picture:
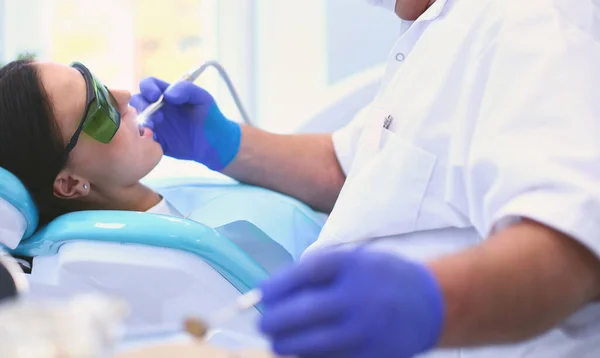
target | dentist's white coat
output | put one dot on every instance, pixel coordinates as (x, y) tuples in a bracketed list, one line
[(495, 115)]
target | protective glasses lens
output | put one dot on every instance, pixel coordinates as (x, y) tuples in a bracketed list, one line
[(101, 119)]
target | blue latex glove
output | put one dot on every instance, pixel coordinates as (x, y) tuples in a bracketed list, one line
[(353, 304), (190, 125)]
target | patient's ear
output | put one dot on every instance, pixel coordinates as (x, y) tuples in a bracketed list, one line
[(69, 186)]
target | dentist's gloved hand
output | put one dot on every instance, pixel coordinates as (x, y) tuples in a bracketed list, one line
[(353, 304), (190, 125)]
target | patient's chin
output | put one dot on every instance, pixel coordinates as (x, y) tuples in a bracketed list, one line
[(152, 155)]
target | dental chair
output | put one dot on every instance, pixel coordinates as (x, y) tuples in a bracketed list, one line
[(166, 268)]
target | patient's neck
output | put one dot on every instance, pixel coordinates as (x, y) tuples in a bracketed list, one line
[(133, 198)]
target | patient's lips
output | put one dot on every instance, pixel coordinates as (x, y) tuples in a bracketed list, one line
[(146, 132)]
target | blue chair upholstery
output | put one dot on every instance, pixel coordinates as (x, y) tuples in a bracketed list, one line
[(127, 227), (231, 261), (263, 230), (287, 221), (268, 253), (14, 192), (165, 266)]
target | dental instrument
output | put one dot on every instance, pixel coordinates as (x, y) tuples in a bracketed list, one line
[(192, 76), (199, 328)]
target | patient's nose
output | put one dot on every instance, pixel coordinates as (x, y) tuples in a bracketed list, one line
[(122, 97)]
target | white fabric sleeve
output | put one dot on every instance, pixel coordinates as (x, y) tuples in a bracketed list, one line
[(345, 140), (535, 147)]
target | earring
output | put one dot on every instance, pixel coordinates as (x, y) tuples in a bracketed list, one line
[(86, 186)]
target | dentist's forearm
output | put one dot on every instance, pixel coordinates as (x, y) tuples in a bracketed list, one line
[(302, 166), (515, 285)]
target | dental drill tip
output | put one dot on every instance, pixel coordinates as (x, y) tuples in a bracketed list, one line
[(196, 328), (141, 119), (199, 328)]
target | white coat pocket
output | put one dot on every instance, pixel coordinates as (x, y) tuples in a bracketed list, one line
[(383, 195)]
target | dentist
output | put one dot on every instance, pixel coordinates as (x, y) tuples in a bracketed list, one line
[(464, 200)]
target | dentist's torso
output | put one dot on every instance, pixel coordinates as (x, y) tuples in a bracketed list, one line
[(409, 158)]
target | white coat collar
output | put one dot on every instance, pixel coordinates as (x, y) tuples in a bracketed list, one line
[(434, 11)]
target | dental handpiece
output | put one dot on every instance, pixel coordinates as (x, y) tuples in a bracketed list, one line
[(191, 76), (199, 328)]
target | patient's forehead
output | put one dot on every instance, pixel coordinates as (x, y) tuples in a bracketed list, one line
[(66, 90)]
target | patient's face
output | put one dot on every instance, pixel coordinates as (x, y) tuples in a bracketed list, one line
[(120, 163)]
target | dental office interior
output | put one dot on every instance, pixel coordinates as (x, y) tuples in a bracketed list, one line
[(119, 284)]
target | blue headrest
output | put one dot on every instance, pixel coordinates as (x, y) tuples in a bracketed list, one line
[(15, 193)]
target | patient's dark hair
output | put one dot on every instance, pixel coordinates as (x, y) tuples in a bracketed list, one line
[(31, 145)]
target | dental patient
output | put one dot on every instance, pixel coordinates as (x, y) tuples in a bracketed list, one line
[(74, 143)]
